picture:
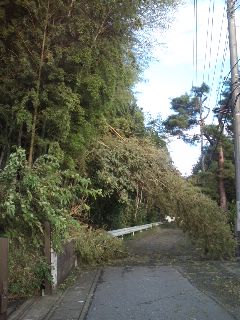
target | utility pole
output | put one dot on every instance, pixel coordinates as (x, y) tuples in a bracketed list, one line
[(236, 106)]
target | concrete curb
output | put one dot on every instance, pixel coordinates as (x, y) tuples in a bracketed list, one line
[(90, 296), (44, 308), (34, 303), (19, 312), (55, 305)]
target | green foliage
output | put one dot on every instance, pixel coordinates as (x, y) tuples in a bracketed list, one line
[(156, 130), (66, 66), (203, 220), (97, 246), (186, 115), (214, 172), (32, 195), (67, 75), (132, 171), (116, 167), (27, 269), (208, 181)]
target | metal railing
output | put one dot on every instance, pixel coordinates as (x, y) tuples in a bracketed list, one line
[(132, 230)]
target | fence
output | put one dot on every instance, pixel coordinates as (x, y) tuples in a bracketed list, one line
[(62, 263), (132, 230)]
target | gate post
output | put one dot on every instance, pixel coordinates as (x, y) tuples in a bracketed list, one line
[(3, 277)]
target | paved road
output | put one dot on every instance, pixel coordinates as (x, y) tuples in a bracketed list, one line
[(150, 293), (164, 278)]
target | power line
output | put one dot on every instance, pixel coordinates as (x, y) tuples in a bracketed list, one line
[(211, 38), (232, 68), (195, 41), (217, 61), (205, 55), (222, 79), (233, 4), (218, 48), (236, 8)]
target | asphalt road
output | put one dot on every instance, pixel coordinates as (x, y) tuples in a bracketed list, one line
[(164, 277), (150, 293)]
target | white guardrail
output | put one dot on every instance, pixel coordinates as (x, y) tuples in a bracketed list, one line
[(132, 230)]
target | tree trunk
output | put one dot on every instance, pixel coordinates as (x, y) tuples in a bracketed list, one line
[(36, 104), (221, 186), (2, 155), (44, 148), (201, 134), (20, 135)]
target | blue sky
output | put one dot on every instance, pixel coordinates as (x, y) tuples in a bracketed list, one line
[(172, 73)]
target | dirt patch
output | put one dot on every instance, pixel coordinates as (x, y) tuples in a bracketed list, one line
[(167, 245)]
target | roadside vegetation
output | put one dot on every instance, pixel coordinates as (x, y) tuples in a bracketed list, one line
[(75, 149)]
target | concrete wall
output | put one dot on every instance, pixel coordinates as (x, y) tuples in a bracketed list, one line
[(63, 263)]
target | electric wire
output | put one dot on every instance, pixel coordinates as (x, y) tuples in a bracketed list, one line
[(193, 46), (196, 31), (232, 68), (217, 55), (230, 105), (211, 38), (208, 62), (206, 45), (221, 78), (236, 8), (233, 4), (195, 42)]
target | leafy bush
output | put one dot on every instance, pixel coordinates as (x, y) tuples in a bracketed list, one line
[(32, 195), (97, 246), (27, 270)]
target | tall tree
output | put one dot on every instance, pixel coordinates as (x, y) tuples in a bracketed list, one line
[(66, 68), (188, 113), (219, 154)]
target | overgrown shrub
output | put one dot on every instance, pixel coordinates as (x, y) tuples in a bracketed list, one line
[(27, 269), (97, 246)]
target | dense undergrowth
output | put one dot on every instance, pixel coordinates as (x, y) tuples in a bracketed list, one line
[(27, 269), (97, 246)]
